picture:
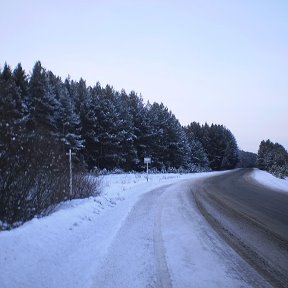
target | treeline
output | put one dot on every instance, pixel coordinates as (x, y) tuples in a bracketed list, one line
[(106, 128), (247, 159), (273, 157), (42, 117)]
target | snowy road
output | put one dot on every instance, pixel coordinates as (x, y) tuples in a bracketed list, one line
[(165, 242), (136, 234)]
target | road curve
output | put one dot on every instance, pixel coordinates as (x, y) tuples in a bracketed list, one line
[(165, 242), (252, 218)]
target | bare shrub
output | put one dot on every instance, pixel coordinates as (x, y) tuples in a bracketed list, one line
[(40, 181), (86, 185)]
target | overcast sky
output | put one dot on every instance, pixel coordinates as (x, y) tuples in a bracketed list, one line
[(214, 61)]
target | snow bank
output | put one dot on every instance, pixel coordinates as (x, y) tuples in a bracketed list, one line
[(267, 179)]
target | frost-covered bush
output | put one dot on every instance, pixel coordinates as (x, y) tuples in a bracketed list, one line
[(117, 171), (279, 171), (85, 186)]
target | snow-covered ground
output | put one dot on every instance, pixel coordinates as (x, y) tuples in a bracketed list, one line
[(62, 250), (74, 246), (267, 179)]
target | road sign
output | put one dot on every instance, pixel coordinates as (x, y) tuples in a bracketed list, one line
[(147, 160)]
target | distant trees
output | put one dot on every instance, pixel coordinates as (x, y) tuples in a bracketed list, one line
[(217, 146), (273, 158), (247, 159)]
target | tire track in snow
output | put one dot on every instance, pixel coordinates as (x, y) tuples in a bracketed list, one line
[(136, 257), (162, 271)]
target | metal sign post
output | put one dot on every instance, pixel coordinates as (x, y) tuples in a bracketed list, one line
[(147, 160), (70, 171)]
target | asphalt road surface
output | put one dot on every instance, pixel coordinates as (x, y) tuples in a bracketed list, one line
[(252, 218)]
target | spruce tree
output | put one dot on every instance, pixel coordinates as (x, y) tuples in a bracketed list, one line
[(43, 105)]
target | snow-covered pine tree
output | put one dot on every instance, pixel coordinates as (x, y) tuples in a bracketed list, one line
[(88, 124), (168, 143), (218, 142), (231, 154), (126, 131), (21, 81), (43, 104), (108, 137), (273, 158), (142, 129), (68, 121), (11, 144), (199, 159)]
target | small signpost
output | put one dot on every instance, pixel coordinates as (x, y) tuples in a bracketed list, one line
[(147, 161), (70, 170)]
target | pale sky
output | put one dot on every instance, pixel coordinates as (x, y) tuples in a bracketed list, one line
[(214, 61)]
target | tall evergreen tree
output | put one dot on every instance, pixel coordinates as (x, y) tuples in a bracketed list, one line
[(21, 81), (199, 158), (231, 154), (108, 129), (87, 123), (169, 146), (127, 148), (43, 105), (142, 128), (68, 121), (12, 142)]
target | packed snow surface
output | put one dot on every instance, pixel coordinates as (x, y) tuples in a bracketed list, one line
[(267, 179), (136, 234)]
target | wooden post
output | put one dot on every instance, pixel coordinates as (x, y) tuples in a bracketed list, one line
[(70, 172)]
